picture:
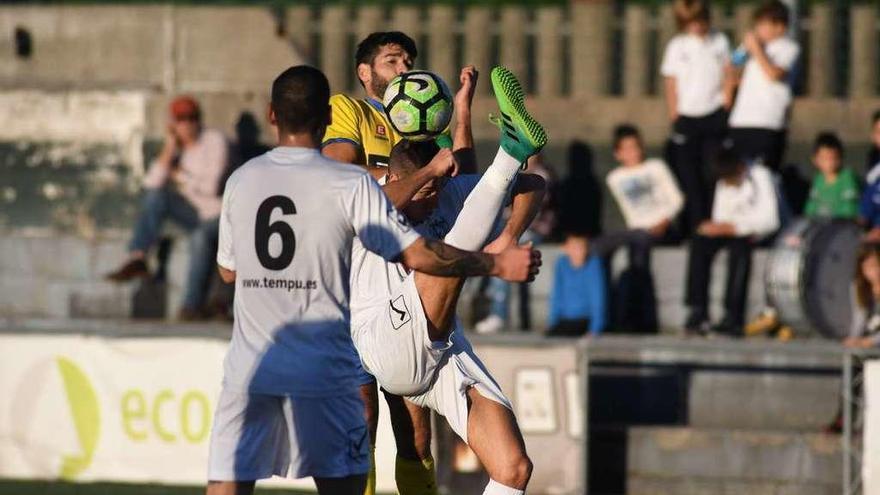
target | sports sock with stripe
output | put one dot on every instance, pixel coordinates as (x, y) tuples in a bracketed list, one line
[(415, 477), (477, 217)]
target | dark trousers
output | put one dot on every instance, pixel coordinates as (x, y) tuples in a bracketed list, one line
[(739, 265), (759, 144), (633, 302), (569, 328), (696, 142)]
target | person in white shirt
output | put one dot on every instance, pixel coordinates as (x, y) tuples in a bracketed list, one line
[(649, 199), (745, 210), (760, 114), (182, 185), (698, 82), (290, 402)]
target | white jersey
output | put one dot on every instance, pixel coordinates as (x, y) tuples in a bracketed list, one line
[(647, 194), (287, 226), (373, 279)]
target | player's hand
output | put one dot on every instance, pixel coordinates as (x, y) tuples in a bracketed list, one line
[(873, 235), (444, 164), (518, 263), (751, 43), (659, 229), (465, 95), (502, 242)]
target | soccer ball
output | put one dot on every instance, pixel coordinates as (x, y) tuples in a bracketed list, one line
[(418, 104)]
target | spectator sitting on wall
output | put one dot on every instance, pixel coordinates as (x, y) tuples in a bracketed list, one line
[(872, 161), (745, 210), (759, 117), (649, 199), (578, 299), (182, 185), (498, 290), (698, 81), (833, 195)]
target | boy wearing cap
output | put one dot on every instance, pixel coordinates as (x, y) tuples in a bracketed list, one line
[(182, 185)]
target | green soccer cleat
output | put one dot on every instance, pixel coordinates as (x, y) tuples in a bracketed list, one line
[(521, 135)]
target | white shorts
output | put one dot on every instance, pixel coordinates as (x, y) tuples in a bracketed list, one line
[(394, 345), (257, 436), (459, 370)]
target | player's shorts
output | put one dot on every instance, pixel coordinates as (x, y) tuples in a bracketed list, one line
[(257, 436), (459, 370), (394, 345)]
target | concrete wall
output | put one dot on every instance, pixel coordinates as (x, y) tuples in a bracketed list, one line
[(228, 56), (45, 275)]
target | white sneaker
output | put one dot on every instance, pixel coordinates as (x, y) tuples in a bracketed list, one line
[(491, 324)]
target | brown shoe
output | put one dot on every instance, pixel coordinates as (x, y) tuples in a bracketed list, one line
[(132, 269)]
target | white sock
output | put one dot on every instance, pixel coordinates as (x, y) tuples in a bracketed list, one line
[(496, 488), (477, 217)]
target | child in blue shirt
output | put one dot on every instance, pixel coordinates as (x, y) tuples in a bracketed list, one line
[(578, 298)]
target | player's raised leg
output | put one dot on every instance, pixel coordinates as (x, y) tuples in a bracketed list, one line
[(521, 137)]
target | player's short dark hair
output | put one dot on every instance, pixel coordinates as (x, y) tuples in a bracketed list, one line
[(876, 117), (773, 11), (624, 131), (828, 140), (688, 11), (369, 47), (728, 163), (408, 155), (301, 99)]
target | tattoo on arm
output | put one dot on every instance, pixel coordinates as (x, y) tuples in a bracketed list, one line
[(452, 262)]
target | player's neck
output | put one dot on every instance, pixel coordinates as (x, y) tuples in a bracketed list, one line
[(299, 140)]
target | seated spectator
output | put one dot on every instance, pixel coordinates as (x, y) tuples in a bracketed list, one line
[(183, 186), (578, 298), (864, 330), (833, 195), (872, 161), (869, 211), (744, 211), (649, 199), (835, 190)]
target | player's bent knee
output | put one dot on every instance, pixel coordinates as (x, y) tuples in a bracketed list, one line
[(515, 472)]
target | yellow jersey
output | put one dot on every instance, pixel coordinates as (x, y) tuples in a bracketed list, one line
[(362, 123)]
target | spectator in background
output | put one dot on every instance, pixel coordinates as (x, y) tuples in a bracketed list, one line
[(834, 195), (760, 114), (578, 301), (498, 290), (696, 69), (182, 185), (872, 161), (835, 190), (745, 210), (649, 199), (580, 194)]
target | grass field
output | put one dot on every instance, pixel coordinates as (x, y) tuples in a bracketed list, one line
[(58, 488)]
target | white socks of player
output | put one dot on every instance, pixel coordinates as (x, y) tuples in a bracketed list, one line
[(474, 224), (496, 488)]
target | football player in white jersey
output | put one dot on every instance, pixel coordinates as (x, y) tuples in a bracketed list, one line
[(290, 403), (403, 323)]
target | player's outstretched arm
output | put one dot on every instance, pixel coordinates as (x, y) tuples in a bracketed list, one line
[(463, 139), (514, 264)]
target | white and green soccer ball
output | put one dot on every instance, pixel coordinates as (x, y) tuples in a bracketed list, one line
[(418, 104)]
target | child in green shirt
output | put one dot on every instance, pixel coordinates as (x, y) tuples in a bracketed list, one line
[(835, 191)]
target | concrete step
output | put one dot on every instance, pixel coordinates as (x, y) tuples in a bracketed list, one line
[(683, 460)]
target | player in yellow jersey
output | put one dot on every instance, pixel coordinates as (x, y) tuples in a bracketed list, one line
[(361, 134)]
